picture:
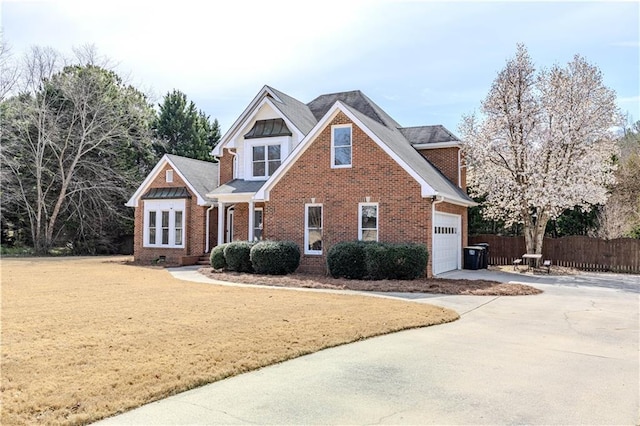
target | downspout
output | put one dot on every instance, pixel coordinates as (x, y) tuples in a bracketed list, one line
[(206, 245), (435, 200), (459, 167)]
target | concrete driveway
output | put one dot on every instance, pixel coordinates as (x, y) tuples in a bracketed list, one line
[(567, 356)]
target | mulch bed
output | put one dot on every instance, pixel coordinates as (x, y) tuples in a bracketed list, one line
[(433, 285)]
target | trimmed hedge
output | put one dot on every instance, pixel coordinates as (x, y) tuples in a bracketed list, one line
[(346, 260), (237, 255), (217, 257), (275, 257), (376, 261)]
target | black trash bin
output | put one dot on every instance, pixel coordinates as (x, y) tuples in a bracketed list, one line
[(485, 254), (473, 257)]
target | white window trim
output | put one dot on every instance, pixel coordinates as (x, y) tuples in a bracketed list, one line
[(159, 206), (266, 142), (360, 229), (260, 209), (168, 176), (306, 228), (333, 147)]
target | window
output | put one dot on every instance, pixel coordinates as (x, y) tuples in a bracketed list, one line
[(178, 228), (313, 229), (168, 176), (266, 159), (368, 221), (257, 224), (341, 146), (152, 228), (164, 223)]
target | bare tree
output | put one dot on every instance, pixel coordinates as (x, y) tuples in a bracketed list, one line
[(71, 145), (8, 70), (543, 143)]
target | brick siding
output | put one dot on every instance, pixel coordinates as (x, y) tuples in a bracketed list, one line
[(195, 226), (404, 216), (446, 160)]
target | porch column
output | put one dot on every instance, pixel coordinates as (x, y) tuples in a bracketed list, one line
[(251, 219), (220, 222)]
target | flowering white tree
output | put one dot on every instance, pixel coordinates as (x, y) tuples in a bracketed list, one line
[(542, 143)]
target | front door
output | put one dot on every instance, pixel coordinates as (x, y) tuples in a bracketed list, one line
[(229, 230)]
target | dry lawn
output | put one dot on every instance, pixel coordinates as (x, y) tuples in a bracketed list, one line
[(86, 338), (433, 285)]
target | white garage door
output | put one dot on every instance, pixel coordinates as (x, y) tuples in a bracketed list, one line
[(446, 242)]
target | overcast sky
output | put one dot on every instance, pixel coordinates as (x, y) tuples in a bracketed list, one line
[(423, 62)]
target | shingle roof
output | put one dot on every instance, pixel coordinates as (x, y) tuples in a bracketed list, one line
[(238, 186), (396, 141), (201, 175), (428, 134), (356, 100), (297, 112)]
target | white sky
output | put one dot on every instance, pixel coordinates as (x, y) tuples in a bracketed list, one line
[(423, 62)]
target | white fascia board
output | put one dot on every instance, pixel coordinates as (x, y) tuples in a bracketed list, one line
[(263, 193), (458, 202), (451, 144), (133, 201), (217, 150), (425, 189), (243, 197)]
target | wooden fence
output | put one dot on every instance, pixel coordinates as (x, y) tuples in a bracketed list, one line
[(584, 253)]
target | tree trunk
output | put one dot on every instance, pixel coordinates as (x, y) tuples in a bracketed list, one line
[(534, 233)]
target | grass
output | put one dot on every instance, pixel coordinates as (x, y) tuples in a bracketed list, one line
[(86, 338)]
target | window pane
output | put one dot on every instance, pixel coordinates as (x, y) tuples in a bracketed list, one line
[(273, 166), (369, 235), (369, 217), (152, 219), (315, 239), (165, 235), (342, 156), (257, 225), (178, 219), (274, 152), (258, 168), (315, 217), (152, 235), (178, 236), (165, 219), (178, 230), (258, 153), (342, 136)]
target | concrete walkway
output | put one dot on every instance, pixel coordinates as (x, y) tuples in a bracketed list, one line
[(567, 356)]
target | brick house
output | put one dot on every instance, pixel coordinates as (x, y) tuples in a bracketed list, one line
[(338, 168), (174, 220)]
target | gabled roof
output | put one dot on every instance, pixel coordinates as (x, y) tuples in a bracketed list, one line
[(199, 176), (356, 100), (428, 134), (296, 112), (396, 141), (391, 140)]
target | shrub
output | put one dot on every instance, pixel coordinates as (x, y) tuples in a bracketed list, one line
[(377, 261), (347, 260), (217, 257), (237, 256), (407, 261), (275, 257)]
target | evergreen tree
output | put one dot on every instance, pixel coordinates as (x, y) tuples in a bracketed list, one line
[(182, 129)]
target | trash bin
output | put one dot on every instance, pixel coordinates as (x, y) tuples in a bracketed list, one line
[(485, 254), (473, 257)]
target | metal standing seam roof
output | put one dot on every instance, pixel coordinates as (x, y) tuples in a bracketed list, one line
[(166, 193), (268, 128)]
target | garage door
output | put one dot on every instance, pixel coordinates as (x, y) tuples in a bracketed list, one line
[(446, 243)]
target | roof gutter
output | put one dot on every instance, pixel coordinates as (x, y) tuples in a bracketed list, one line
[(434, 145)]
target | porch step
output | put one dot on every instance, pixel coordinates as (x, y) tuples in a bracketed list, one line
[(204, 260)]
